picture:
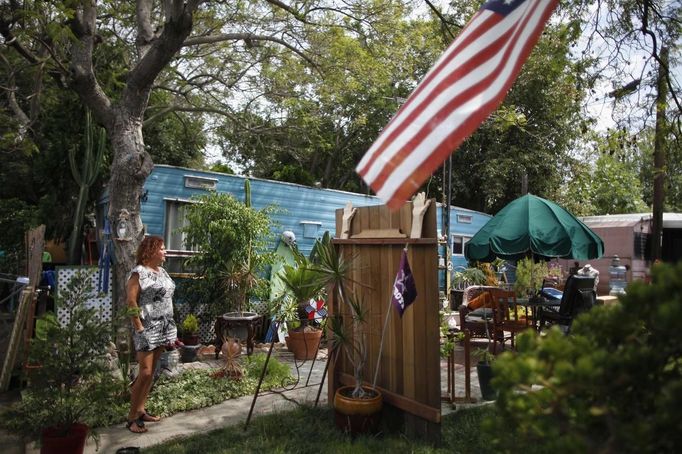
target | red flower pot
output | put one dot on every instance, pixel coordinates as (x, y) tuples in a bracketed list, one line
[(55, 441)]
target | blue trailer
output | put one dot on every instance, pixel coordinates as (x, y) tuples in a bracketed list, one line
[(304, 210)]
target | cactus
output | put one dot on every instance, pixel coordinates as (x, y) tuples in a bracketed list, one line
[(85, 177), (247, 193)]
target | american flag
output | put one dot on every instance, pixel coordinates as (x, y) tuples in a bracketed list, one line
[(466, 84)]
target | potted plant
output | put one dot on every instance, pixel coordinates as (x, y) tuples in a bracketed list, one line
[(231, 239), (302, 283), (72, 381), (190, 339), (190, 330), (529, 277), (357, 407), (461, 279), (484, 368)]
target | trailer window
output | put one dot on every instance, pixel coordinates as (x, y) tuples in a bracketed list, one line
[(458, 242)]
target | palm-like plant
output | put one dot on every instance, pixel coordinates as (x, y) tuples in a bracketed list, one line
[(303, 283), (333, 270)]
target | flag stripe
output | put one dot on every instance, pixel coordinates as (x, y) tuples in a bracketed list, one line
[(417, 167), (481, 60), (464, 92), (469, 80), (432, 82)]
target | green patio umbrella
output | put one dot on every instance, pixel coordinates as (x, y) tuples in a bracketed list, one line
[(532, 224)]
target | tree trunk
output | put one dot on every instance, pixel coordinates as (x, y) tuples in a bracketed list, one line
[(130, 168)]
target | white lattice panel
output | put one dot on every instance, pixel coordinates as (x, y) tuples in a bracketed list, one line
[(100, 301)]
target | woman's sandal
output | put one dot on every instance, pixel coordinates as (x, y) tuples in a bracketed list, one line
[(140, 425), (146, 417)]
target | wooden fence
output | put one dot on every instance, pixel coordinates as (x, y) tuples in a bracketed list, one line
[(409, 367)]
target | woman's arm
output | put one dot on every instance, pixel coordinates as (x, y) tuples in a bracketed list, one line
[(133, 292)]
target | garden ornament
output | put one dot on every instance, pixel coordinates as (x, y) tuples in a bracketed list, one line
[(419, 206), (289, 238), (347, 220), (231, 350)]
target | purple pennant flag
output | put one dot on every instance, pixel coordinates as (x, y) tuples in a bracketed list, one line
[(404, 289)]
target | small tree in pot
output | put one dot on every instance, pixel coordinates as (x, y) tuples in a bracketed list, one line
[(356, 406), (73, 379)]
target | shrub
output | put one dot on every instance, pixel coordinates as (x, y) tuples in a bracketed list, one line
[(71, 382), (614, 385), (190, 325)]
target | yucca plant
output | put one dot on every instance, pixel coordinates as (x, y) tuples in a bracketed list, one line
[(333, 271)]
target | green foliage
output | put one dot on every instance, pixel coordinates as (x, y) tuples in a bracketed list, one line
[(71, 381), (613, 385), (16, 218), (468, 276), (231, 239), (529, 276), (293, 174), (317, 128), (190, 325), (196, 388), (191, 390), (222, 168)]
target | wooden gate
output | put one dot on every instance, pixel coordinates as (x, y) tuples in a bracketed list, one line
[(409, 367)]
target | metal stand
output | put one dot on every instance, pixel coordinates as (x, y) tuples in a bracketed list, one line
[(298, 378)]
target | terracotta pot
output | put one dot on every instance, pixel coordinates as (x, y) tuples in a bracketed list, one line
[(355, 415), (54, 441), (304, 345)]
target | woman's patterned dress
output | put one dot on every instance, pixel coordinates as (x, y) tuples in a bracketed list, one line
[(156, 309)]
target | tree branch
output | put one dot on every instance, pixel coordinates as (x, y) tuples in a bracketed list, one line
[(168, 109), (247, 37), (84, 82), (177, 27)]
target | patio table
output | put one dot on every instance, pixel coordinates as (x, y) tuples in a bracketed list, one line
[(536, 306)]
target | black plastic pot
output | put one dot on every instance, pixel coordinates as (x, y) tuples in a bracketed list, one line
[(188, 353), (485, 376)]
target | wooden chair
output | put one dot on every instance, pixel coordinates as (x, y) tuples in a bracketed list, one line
[(474, 320), (506, 318)]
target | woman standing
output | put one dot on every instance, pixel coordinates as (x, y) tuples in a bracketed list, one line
[(150, 296)]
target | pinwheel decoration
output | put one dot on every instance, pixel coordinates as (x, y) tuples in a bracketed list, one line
[(316, 310)]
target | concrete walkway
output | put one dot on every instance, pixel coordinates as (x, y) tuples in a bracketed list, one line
[(231, 412)]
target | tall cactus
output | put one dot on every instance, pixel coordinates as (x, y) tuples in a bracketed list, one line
[(90, 166), (247, 193)]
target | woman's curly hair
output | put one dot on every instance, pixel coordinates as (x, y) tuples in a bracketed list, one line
[(149, 246)]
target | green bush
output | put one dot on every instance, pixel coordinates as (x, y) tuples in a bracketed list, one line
[(231, 239), (529, 276), (614, 385)]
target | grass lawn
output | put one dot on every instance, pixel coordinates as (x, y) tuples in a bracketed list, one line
[(312, 430)]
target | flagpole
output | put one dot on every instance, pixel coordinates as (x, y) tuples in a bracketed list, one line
[(383, 332)]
